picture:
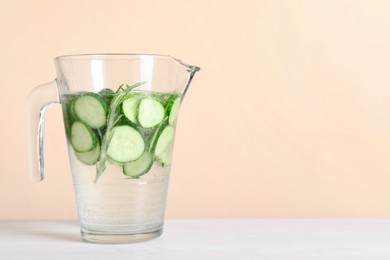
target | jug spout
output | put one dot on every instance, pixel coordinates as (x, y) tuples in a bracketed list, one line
[(191, 70)]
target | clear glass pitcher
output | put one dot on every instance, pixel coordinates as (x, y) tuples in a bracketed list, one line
[(120, 113)]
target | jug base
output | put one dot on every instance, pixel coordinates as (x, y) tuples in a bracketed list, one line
[(109, 238)]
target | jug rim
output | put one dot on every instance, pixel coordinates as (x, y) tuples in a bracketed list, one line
[(119, 56)]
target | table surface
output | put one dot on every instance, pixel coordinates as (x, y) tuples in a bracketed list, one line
[(207, 239)]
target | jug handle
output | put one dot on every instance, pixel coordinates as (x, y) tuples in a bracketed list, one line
[(37, 102)]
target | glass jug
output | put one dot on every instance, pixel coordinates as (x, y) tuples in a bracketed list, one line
[(120, 113)]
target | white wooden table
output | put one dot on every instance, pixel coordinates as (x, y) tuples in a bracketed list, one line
[(207, 239)]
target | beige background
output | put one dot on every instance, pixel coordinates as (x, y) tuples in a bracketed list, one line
[(289, 116)]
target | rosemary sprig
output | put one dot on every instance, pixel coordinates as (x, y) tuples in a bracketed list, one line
[(114, 116)]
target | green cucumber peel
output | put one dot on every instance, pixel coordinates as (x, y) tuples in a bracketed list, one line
[(156, 134), (172, 106)]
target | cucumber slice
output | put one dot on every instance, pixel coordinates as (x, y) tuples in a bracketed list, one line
[(173, 108), (150, 112), (130, 108), (70, 111), (164, 140), (126, 144), (91, 157), (139, 167), (165, 159), (82, 137), (91, 109)]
